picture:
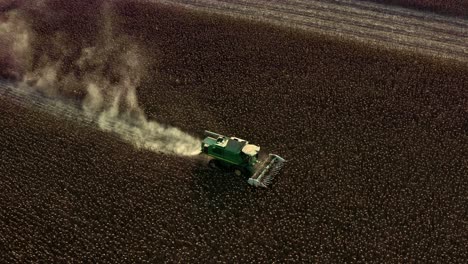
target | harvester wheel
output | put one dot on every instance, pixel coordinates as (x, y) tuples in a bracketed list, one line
[(239, 171), (213, 164)]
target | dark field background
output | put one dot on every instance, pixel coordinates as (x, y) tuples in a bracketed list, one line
[(376, 143)]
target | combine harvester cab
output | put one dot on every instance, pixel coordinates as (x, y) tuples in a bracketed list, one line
[(241, 157)]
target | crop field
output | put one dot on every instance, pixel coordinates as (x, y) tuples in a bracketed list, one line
[(370, 23), (376, 142), (448, 7)]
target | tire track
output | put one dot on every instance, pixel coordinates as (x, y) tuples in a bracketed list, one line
[(398, 11), (388, 26), (372, 28), (142, 135), (57, 107), (428, 28), (62, 109)]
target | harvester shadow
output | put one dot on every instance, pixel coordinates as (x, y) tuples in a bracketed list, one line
[(220, 189)]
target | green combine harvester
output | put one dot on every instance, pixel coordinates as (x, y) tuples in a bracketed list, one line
[(237, 155)]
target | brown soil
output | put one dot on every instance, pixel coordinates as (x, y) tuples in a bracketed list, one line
[(375, 142)]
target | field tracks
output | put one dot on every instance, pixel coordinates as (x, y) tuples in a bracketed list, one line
[(390, 26), (32, 98)]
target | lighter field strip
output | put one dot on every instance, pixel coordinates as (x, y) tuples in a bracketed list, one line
[(141, 132), (62, 109), (30, 98), (390, 26)]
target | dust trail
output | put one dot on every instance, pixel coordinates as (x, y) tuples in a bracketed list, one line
[(102, 73), (142, 133)]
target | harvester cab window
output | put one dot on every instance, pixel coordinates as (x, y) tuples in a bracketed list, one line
[(221, 141)]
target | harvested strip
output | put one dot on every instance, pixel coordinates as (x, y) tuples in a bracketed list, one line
[(378, 24)]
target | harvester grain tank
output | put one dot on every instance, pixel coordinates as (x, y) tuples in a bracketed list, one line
[(238, 155)]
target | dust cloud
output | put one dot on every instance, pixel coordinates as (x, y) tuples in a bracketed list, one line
[(102, 70)]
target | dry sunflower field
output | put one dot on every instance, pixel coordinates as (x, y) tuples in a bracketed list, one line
[(376, 142)]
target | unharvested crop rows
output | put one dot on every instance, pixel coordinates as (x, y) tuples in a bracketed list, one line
[(67, 194), (375, 142), (389, 26)]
